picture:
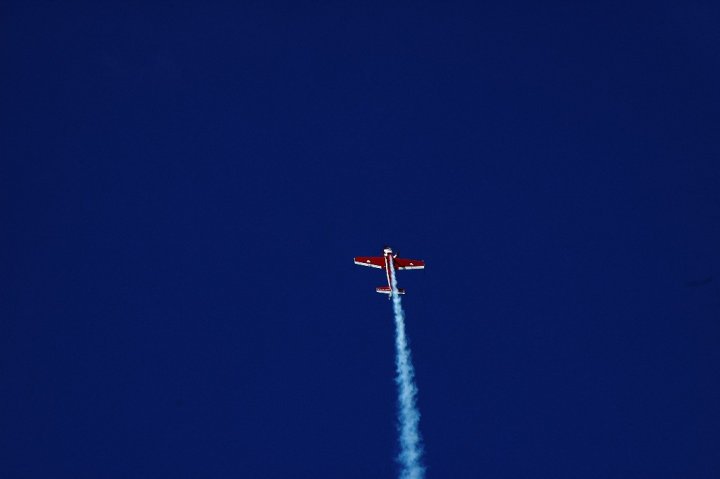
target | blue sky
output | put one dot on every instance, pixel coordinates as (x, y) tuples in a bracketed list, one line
[(184, 187)]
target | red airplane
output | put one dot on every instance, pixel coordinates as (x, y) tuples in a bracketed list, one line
[(383, 262)]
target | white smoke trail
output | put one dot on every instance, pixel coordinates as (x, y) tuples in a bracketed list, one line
[(410, 456)]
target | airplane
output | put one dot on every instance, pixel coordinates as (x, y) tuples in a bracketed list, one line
[(383, 262)]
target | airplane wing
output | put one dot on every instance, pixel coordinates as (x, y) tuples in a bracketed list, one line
[(401, 263), (372, 261)]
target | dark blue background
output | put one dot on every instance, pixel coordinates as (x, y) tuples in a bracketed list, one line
[(184, 187)]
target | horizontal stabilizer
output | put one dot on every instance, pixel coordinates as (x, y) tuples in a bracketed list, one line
[(386, 290)]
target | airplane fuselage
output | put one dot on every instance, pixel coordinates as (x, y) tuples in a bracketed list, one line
[(389, 267)]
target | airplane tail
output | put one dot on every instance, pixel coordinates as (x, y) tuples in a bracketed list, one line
[(387, 290)]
